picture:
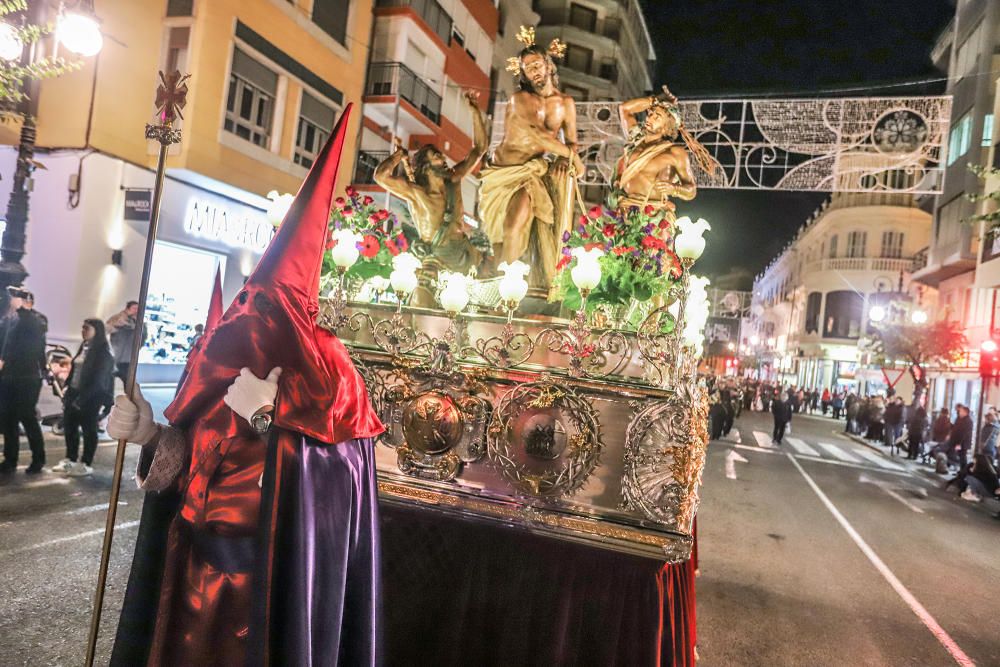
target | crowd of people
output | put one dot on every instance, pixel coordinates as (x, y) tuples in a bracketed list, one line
[(104, 353), (936, 440)]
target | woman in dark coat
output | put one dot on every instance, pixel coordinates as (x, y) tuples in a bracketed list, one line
[(90, 387), (915, 429)]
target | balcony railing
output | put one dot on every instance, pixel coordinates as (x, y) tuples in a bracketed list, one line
[(398, 79), (919, 260), (606, 27), (364, 172), (602, 69), (430, 11), (888, 264)]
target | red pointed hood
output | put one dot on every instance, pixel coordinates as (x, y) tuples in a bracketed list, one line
[(215, 303), (272, 323)]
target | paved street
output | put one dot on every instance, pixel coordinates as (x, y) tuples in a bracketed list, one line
[(817, 553), (782, 580)]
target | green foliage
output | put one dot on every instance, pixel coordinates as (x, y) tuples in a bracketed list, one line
[(919, 345), (638, 263), (384, 236), (13, 74)]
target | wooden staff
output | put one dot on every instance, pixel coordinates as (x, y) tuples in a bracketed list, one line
[(171, 96)]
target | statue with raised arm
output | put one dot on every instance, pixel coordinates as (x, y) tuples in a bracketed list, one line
[(433, 192), (526, 193), (656, 167)]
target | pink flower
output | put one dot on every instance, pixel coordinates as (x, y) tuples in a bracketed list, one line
[(595, 212)]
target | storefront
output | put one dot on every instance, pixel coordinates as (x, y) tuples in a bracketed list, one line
[(86, 245)]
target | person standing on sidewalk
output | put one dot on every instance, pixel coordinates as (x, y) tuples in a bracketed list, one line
[(90, 387), (22, 363), (121, 329), (782, 411)]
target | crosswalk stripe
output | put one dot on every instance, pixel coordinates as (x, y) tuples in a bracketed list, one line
[(838, 453), (801, 447), (879, 461), (763, 439)]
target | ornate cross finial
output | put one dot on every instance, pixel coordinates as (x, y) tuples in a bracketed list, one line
[(171, 97)]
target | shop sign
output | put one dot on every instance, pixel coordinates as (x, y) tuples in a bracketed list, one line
[(138, 204), (236, 228)]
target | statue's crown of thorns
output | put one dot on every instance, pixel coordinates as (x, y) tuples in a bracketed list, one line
[(526, 35)]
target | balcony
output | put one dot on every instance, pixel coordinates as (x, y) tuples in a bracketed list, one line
[(364, 171), (884, 264), (389, 80), (606, 27), (430, 11), (952, 253), (606, 69)]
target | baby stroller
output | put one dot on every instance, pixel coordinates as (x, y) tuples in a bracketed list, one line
[(59, 361)]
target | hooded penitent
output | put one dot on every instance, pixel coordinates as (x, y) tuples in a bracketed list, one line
[(265, 552)]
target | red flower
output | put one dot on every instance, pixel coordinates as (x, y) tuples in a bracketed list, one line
[(367, 201), (653, 243), (383, 214), (369, 246), (351, 192), (663, 224), (331, 243), (595, 212), (622, 250), (563, 262), (649, 210), (339, 201), (348, 212), (609, 230), (582, 220), (591, 246), (403, 244), (373, 219), (391, 246), (584, 235)]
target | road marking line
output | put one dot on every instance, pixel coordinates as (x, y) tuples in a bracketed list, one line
[(754, 449), (801, 447), (884, 485), (731, 460), (878, 460), (925, 617), (68, 538), (763, 439), (837, 452), (859, 465), (48, 481), (93, 508)]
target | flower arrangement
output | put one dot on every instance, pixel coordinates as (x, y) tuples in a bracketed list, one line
[(377, 233), (638, 263)]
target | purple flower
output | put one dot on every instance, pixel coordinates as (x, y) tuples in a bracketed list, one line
[(337, 224), (566, 251), (607, 247), (565, 237), (648, 266), (582, 229), (636, 252), (648, 229)]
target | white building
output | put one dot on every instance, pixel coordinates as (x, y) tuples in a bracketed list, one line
[(811, 304)]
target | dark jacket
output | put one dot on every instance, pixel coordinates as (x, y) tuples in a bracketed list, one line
[(96, 378), (917, 425), (894, 414), (23, 348), (941, 429), (961, 433), (782, 411)]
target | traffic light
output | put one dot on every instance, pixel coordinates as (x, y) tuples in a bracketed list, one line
[(989, 359)]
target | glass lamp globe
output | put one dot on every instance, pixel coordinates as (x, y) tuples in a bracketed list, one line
[(11, 46), (79, 33), (513, 287), (278, 206), (346, 252), (455, 295), (586, 274), (690, 244)]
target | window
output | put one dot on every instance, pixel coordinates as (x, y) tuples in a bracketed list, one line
[(814, 304), (968, 52), (892, 244), (833, 247), (250, 105), (843, 314), (315, 122), (331, 17), (583, 17), (987, 131), (579, 58), (960, 138), (457, 36), (180, 7), (177, 49), (856, 244)]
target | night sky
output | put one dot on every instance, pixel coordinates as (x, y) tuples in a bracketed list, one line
[(787, 48)]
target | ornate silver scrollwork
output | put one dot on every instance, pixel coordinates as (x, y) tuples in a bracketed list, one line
[(665, 447), (545, 439)]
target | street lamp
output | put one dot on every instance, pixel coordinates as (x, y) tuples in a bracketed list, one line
[(876, 313), (77, 29), (918, 317)]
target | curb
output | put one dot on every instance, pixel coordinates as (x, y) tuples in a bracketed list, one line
[(867, 443)]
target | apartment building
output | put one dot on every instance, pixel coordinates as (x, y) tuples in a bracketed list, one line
[(958, 263), (271, 78), (424, 55), (810, 306), (609, 51)]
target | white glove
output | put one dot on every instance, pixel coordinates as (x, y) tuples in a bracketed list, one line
[(248, 393), (132, 421)]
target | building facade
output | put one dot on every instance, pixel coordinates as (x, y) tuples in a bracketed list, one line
[(609, 51), (811, 305), (272, 79), (957, 262), (424, 55)]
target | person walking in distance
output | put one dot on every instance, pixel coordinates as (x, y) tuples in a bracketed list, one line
[(121, 329), (782, 412), (22, 362), (90, 387)]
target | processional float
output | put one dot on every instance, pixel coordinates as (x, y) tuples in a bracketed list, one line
[(557, 391)]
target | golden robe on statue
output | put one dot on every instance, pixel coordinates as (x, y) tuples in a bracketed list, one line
[(551, 214)]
